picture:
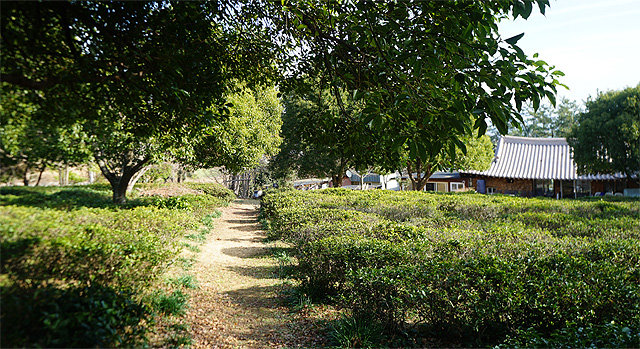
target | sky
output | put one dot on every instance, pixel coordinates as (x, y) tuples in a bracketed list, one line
[(595, 43)]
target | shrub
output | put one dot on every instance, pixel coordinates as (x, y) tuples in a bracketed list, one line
[(73, 263), (609, 335), (77, 247), (84, 317), (215, 190), (471, 267)]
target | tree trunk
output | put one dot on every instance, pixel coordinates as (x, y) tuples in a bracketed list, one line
[(66, 174), (63, 174), (136, 177), (40, 174), (25, 178), (234, 184), (92, 176), (120, 178), (182, 174), (419, 181), (119, 192), (336, 181)]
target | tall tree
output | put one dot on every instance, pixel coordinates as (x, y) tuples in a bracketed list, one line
[(320, 139), (547, 121), (241, 141), (607, 136), (420, 68), (477, 154), (28, 143), (537, 122), (142, 74), (566, 115)]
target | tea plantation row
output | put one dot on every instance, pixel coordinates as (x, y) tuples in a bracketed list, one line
[(468, 269), (77, 270)]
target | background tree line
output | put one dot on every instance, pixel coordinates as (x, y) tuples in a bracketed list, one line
[(364, 84)]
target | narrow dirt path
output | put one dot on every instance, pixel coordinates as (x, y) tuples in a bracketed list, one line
[(237, 304)]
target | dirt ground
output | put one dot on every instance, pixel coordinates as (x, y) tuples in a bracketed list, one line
[(237, 304)]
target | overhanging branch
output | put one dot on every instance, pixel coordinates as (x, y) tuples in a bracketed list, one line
[(23, 81)]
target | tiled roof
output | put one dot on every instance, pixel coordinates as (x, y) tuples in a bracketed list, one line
[(536, 158)]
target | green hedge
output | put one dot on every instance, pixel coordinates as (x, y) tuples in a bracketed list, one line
[(75, 268), (215, 190), (467, 268)]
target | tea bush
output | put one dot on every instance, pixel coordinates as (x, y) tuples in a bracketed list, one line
[(76, 269), (213, 190), (467, 268), (78, 317)]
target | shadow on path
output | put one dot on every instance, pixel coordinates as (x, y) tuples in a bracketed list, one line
[(239, 307), (246, 252)]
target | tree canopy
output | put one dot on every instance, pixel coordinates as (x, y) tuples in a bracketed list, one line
[(548, 121), (414, 77), (606, 138), (426, 73), (28, 142), (319, 138), (478, 156), (251, 132), (141, 77)]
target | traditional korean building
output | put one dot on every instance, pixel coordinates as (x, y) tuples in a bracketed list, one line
[(540, 167)]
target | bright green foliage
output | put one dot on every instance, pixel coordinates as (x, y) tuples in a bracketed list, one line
[(34, 143), (214, 190), (320, 139), (547, 121), (186, 281), (161, 171), (467, 268), (478, 156), (144, 79), (420, 68), (250, 132), (72, 261), (607, 136), (174, 303)]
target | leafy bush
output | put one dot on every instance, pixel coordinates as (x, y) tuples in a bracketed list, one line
[(609, 335), (71, 317), (72, 262), (215, 190), (468, 267), (122, 249)]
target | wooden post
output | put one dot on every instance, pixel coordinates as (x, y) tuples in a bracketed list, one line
[(561, 194)]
